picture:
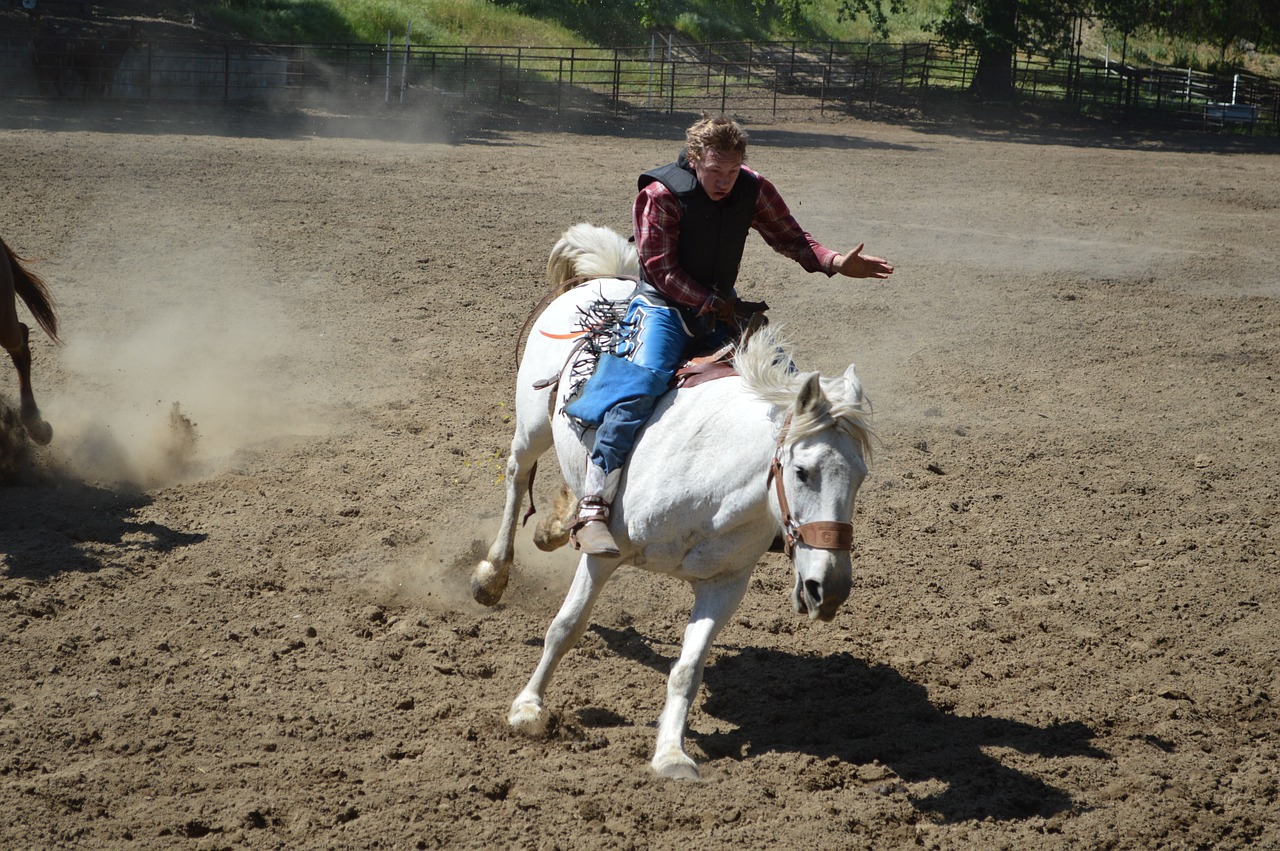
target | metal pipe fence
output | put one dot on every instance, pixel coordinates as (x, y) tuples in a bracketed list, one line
[(784, 79)]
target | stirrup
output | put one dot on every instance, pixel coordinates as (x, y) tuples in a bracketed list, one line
[(592, 507)]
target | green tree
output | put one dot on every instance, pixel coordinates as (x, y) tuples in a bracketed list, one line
[(874, 10), (998, 29), (1222, 23), (1126, 17)]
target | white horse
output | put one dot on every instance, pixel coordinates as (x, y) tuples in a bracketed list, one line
[(719, 472)]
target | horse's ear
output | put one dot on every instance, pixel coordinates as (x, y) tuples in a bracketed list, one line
[(855, 383), (810, 395)]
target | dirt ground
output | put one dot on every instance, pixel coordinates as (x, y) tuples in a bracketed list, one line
[(233, 602)]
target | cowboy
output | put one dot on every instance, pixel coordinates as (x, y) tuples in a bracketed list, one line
[(691, 221)]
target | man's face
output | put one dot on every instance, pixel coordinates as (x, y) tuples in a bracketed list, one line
[(717, 172)]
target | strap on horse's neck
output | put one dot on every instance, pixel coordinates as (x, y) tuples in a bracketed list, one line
[(819, 534)]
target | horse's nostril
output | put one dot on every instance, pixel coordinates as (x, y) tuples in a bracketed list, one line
[(813, 589)]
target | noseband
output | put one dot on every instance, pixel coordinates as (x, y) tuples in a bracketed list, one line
[(819, 534)]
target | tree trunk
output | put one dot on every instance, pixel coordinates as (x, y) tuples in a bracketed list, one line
[(993, 79)]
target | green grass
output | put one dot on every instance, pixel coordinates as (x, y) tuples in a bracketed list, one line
[(471, 22), (543, 23), (908, 27), (285, 20)]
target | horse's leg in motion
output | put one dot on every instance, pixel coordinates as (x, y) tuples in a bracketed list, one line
[(15, 337), (552, 531), (714, 601), (566, 629), (531, 440)]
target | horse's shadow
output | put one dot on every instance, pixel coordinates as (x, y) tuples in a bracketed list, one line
[(840, 708), (59, 525)]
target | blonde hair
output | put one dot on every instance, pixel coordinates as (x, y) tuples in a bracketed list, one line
[(720, 134)]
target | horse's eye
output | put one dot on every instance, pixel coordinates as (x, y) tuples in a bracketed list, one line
[(802, 475)]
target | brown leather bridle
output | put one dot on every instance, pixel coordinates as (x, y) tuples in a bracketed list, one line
[(819, 534)]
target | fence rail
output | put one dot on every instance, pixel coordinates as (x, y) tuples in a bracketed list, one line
[(779, 79)]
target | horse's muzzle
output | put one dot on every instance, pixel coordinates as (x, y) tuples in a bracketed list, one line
[(820, 600)]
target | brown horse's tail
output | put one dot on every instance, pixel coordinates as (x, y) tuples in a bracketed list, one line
[(35, 292)]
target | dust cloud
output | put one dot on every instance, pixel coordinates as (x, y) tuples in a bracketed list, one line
[(196, 360), (436, 573)]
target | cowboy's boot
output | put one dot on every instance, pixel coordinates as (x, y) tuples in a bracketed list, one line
[(591, 532)]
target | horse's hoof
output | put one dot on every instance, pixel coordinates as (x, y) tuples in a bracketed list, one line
[(528, 718), (677, 767), (550, 536), (39, 431), (488, 582)]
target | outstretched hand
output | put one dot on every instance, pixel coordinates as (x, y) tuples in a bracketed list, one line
[(855, 264)]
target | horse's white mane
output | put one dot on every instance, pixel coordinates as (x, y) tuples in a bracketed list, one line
[(587, 249), (765, 367)]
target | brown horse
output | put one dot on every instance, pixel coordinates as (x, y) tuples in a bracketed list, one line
[(17, 280)]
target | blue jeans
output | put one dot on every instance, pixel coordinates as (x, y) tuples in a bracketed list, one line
[(654, 336)]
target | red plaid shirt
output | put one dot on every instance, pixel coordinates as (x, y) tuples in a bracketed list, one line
[(656, 218)]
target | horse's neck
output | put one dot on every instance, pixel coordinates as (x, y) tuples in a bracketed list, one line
[(699, 472), (716, 431)]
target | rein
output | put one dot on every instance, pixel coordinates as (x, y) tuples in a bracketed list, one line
[(819, 534)]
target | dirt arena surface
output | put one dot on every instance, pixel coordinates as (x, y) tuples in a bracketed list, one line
[(233, 602)]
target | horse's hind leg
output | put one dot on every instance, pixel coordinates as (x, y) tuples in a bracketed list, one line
[(37, 429), (489, 579), (15, 337), (552, 532)]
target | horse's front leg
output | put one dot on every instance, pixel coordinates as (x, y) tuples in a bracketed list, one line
[(566, 629), (489, 579), (714, 600)]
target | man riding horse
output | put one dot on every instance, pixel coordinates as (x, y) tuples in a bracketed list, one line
[(691, 220)]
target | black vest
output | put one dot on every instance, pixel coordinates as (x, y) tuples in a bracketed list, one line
[(712, 233)]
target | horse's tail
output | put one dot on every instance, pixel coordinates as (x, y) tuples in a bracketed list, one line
[(586, 250), (34, 291)]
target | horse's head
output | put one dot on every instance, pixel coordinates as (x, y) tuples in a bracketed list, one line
[(821, 463)]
